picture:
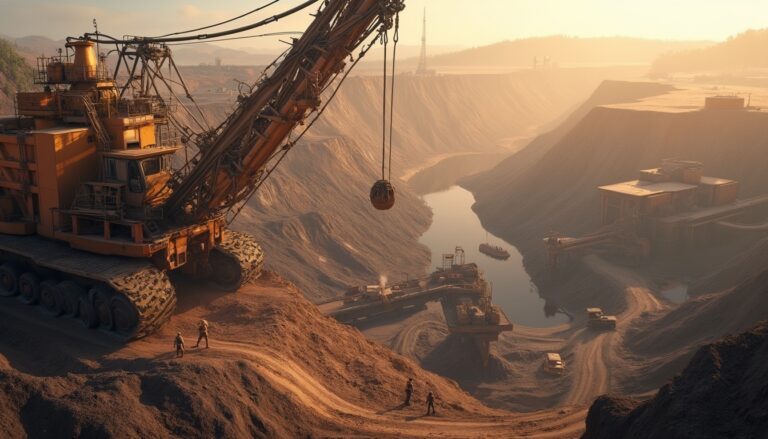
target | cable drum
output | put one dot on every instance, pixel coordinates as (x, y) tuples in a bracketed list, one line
[(383, 195)]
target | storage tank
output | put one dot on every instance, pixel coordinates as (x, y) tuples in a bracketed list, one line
[(55, 72), (84, 67)]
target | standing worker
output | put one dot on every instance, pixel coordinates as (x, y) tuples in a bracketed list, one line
[(408, 391), (178, 343), (202, 330), (430, 403)]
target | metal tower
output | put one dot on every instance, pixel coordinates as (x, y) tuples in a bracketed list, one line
[(422, 68)]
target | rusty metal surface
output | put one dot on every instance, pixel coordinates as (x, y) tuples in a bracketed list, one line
[(60, 256)]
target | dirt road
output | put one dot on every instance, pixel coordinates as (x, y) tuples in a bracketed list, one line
[(405, 341), (596, 353), (593, 354), (289, 356), (301, 385)]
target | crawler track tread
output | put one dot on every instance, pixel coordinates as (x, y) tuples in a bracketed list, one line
[(247, 251)]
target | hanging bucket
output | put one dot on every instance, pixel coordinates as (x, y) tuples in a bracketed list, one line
[(383, 195)]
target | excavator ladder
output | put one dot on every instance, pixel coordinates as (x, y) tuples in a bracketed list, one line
[(93, 118)]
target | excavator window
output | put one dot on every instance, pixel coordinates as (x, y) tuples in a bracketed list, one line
[(110, 169), (135, 180), (151, 166)]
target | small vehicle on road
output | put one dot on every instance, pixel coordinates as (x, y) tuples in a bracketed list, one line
[(598, 320), (554, 364)]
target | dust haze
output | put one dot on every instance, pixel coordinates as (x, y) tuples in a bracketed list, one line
[(550, 218)]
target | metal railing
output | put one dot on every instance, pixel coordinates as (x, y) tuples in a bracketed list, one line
[(60, 69)]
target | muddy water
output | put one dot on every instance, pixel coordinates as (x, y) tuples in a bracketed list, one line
[(455, 224)]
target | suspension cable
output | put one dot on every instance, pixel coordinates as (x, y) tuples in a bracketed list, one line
[(270, 34), (287, 147), (223, 22), (395, 38), (264, 22), (384, 41)]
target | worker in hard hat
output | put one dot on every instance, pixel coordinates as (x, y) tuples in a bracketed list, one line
[(202, 331), (408, 391), (430, 403), (178, 343)]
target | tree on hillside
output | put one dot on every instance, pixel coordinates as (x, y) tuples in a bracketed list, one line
[(748, 50), (15, 74)]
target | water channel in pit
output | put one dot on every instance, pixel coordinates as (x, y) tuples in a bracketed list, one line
[(455, 224)]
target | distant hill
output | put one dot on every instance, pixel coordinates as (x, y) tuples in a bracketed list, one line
[(36, 45), (747, 50), (564, 51), (15, 75), (208, 54)]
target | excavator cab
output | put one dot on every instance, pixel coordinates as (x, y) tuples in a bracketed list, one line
[(144, 172), (133, 181)]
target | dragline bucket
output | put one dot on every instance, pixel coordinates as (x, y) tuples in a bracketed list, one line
[(383, 195)]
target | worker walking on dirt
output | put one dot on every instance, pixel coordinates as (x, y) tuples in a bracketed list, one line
[(178, 343), (408, 391), (202, 330), (430, 403)]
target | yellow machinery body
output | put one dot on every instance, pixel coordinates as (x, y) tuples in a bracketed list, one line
[(93, 217)]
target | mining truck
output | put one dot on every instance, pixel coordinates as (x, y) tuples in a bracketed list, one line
[(598, 320), (554, 364), (96, 219)]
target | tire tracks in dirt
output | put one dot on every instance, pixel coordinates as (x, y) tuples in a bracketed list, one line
[(298, 383), (405, 341), (596, 355)]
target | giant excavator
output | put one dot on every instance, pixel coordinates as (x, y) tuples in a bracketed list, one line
[(95, 220)]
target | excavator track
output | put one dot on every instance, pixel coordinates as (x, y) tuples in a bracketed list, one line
[(129, 298), (237, 260)]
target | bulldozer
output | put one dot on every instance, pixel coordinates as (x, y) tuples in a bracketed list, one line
[(95, 219)]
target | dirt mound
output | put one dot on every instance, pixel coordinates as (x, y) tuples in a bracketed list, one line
[(722, 393), (276, 368), (704, 318), (320, 230), (746, 264), (454, 358)]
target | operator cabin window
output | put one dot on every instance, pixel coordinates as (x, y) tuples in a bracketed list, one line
[(151, 166), (134, 177), (131, 137), (110, 170)]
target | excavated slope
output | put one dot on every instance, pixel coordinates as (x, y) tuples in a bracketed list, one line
[(313, 216), (494, 182), (453, 113), (608, 145), (318, 228), (703, 318), (722, 393), (275, 368)]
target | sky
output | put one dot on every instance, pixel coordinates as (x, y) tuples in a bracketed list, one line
[(458, 23)]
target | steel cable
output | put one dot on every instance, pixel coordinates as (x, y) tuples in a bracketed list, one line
[(395, 38)]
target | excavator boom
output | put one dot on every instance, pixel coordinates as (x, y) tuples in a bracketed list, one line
[(93, 216), (232, 164)]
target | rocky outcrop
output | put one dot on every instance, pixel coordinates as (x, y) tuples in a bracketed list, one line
[(722, 393)]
